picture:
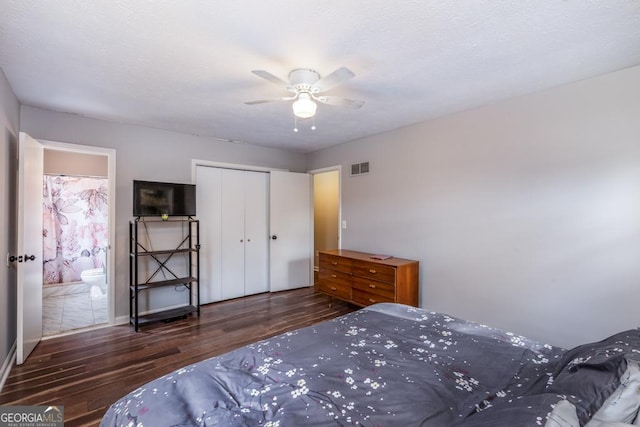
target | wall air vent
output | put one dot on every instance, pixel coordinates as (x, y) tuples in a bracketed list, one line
[(359, 168)]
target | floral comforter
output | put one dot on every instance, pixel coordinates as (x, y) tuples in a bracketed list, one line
[(384, 365)]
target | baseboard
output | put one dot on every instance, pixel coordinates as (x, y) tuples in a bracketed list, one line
[(121, 320), (7, 365)]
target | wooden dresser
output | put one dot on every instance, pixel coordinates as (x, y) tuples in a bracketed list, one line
[(356, 277)]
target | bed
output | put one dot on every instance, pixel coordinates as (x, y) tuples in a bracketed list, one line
[(395, 365)]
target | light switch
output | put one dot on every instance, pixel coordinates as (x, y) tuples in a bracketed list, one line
[(344, 225)]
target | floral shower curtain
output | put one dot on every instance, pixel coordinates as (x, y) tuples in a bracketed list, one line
[(75, 233)]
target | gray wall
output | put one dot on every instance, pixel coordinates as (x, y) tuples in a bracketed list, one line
[(147, 154), (524, 215), (9, 127)]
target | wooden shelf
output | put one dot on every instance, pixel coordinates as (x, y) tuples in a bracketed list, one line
[(164, 252), (170, 282), (153, 219), (165, 315)]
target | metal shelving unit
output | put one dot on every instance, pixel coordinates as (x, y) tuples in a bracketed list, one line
[(158, 271)]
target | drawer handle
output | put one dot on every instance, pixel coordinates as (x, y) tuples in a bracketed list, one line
[(333, 288), (333, 276), (372, 286), (334, 263), (371, 300), (372, 271)]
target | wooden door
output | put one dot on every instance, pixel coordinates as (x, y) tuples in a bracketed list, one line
[(228, 205), (29, 256), (208, 199), (256, 231), (232, 234), (290, 226)]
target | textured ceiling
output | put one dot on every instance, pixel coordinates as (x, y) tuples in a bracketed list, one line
[(186, 65)]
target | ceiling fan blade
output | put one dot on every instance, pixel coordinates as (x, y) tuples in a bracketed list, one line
[(333, 79), (268, 76), (264, 101), (339, 101)]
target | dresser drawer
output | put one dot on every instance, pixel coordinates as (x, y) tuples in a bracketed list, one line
[(385, 290), (336, 263), (367, 298), (334, 277), (335, 289), (371, 270)]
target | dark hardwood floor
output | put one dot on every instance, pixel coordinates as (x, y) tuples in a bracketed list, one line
[(88, 371)]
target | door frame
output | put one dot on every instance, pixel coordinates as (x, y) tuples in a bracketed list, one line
[(223, 165), (110, 153), (329, 169)]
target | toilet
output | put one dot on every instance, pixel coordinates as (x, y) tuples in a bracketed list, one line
[(94, 278)]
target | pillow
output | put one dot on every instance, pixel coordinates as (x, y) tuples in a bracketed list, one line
[(563, 415), (622, 406), (590, 373)]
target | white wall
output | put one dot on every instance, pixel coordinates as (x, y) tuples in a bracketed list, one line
[(9, 127), (146, 154), (524, 215)]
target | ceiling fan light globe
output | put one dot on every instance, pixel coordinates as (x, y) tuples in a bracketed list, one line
[(304, 107)]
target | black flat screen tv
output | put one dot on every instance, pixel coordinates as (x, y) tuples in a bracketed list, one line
[(163, 198)]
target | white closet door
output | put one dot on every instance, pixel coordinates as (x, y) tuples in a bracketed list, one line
[(209, 202), (256, 267), (232, 235), (238, 209), (290, 208)]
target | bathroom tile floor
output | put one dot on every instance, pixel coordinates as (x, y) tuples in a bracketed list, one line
[(69, 307)]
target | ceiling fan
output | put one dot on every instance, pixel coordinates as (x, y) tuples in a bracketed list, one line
[(307, 86)]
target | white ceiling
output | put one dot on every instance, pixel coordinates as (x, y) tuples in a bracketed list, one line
[(186, 65)]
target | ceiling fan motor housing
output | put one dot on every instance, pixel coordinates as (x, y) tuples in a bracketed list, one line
[(302, 80)]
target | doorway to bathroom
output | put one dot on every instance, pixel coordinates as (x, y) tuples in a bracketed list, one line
[(76, 217)]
